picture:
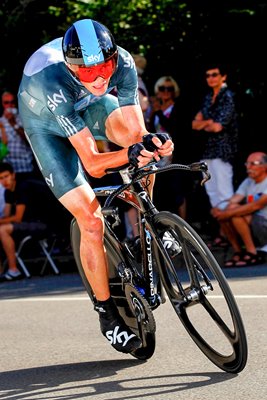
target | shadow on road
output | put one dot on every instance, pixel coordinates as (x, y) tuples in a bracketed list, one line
[(73, 381), (42, 286)]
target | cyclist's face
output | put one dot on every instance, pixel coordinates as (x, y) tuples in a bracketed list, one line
[(98, 87), (95, 78)]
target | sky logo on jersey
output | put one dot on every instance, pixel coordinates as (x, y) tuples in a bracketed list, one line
[(57, 99)]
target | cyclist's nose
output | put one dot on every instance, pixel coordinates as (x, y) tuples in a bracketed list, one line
[(100, 80)]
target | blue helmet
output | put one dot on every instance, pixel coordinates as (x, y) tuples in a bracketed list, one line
[(88, 43)]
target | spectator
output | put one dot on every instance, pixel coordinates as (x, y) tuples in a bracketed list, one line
[(19, 151), (217, 120), (166, 91), (244, 221), (19, 215), (166, 116), (130, 213)]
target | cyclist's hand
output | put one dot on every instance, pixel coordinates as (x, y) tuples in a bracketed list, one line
[(139, 156), (160, 143)]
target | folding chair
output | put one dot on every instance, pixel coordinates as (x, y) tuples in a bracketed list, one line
[(42, 241)]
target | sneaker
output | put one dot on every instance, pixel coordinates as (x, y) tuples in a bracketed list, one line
[(171, 245), (10, 276), (116, 331)]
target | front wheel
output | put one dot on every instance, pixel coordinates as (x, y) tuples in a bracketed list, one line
[(200, 293)]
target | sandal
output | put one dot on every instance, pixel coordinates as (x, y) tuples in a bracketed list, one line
[(249, 259), (237, 256)]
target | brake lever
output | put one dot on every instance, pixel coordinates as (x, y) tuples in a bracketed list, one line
[(201, 167)]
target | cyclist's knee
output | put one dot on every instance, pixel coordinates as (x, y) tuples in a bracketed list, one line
[(92, 225)]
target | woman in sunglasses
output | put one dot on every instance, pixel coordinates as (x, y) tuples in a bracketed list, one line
[(166, 91), (65, 105), (217, 121), (168, 114)]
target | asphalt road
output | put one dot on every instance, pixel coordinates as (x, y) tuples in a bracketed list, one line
[(51, 347)]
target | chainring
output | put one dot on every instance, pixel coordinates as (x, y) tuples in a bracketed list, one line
[(140, 309)]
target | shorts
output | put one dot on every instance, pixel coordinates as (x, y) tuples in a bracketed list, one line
[(54, 154), (259, 229)]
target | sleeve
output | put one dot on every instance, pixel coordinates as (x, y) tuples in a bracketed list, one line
[(225, 110), (22, 193), (243, 187), (127, 79), (8, 197)]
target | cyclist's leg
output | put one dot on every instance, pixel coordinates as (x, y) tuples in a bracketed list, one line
[(105, 121), (64, 175)]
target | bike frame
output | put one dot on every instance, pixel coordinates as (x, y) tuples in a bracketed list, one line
[(138, 197)]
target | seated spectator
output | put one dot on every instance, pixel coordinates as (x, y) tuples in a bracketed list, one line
[(19, 154), (20, 215), (244, 221)]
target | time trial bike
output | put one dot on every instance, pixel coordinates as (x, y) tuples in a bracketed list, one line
[(169, 261)]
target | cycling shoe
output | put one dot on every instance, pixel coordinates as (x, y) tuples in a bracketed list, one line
[(115, 330), (120, 336)]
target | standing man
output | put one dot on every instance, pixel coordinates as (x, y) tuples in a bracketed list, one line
[(217, 119), (65, 106)]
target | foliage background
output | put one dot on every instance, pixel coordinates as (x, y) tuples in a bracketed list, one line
[(175, 36)]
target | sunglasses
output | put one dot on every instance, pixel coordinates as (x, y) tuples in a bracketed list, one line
[(212, 75), (9, 102), (166, 88), (253, 163), (89, 74)]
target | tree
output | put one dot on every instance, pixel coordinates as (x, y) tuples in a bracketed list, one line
[(174, 36)]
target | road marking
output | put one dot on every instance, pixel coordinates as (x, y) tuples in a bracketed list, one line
[(86, 297), (48, 298)]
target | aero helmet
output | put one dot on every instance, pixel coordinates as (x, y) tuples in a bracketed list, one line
[(86, 45)]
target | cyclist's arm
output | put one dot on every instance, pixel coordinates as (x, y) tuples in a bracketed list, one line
[(134, 119), (135, 127), (97, 163)]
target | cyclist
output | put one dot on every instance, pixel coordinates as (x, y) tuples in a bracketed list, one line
[(65, 105)]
